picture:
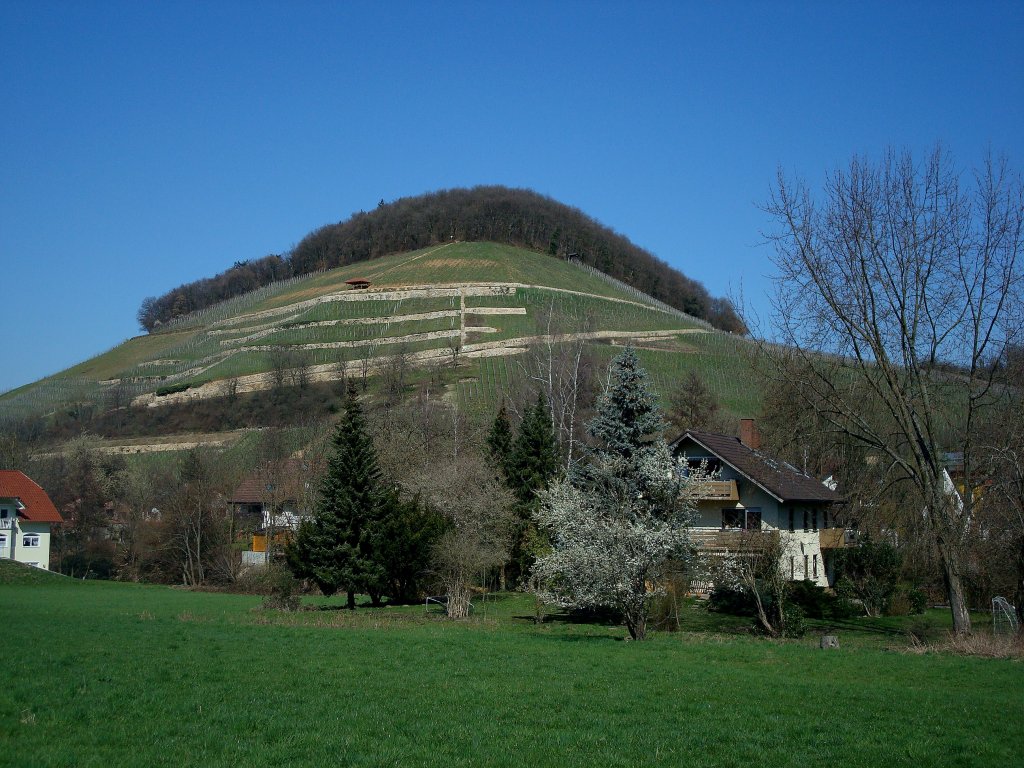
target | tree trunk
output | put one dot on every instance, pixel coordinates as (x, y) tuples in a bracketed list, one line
[(943, 516), (955, 589), (458, 601), (351, 600), (1019, 597), (636, 623)]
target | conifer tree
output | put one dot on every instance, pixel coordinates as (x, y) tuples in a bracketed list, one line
[(532, 463), (617, 523), (499, 441), (337, 548), (534, 456), (628, 415)]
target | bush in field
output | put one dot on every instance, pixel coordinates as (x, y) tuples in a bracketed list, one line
[(869, 573), (281, 588), (817, 603)]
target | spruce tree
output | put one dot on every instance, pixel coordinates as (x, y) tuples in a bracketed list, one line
[(337, 548), (628, 415), (532, 463), (499, 442), (626, 429), (534, 456)]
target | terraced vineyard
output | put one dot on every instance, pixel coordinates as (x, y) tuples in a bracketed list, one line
[(482, 304)]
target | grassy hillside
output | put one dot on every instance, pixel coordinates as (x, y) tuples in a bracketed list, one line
[(486, 301), (157, 676)]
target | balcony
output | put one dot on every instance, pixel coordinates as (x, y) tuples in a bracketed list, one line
[(732, 539), (8, 523), (837, 538), (719, 490)]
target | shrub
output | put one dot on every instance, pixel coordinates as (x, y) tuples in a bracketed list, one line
[(818, 603), (283, 587), (666, 608), (918, 599), (794, 623), (735, 602), (171, 389)]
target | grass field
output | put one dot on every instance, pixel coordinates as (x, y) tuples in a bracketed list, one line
[(106, 674)]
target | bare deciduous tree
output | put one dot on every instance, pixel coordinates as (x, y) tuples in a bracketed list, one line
[(753, 565), (559, 366), (692, 405), (437, 454), (911, 286)]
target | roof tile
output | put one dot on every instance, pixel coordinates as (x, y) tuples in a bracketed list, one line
[(38, 507), (780, 479)]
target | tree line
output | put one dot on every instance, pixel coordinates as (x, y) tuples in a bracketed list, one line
[(518, 217)]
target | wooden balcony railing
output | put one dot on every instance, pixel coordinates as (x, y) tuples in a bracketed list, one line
[(719, 490), (836, 538), (732, 539)]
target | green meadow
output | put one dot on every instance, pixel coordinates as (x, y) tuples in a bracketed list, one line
[(108, 674)]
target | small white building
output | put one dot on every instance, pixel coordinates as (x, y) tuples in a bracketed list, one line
[(755, 492), (26, 514)]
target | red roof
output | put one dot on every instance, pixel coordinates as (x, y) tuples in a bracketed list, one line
[(38, 507)]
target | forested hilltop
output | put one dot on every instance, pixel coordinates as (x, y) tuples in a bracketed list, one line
[(493, 213)]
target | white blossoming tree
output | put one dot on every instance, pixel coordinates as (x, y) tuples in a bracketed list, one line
[(618, 522)]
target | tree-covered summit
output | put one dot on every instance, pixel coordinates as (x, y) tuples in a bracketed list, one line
[(499, 214)]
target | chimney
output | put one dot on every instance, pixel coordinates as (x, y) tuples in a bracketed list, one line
[(749, 435)]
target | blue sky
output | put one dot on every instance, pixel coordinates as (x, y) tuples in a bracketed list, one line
[(144, 145)]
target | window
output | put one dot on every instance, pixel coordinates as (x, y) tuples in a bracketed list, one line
[(824, 519), (807, 526), (805, 567), (732, 518), (815, 566), (814, 519), (742, 519), (30, 540), (3, 540), (753, 518), (3, 514), (791, 516)]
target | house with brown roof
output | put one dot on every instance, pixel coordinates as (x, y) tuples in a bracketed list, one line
[(755, 492), (271, 501), (26, 514)]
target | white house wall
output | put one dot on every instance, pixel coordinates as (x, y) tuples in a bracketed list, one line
[(38, 556), (801, 550)]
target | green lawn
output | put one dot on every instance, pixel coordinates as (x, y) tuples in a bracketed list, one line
[(103, 674)]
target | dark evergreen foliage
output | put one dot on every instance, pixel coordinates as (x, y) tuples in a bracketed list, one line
[(364, 536), (628, 414), (533, 461), (335, 547), (534, 458), (499, 442), (869, 573), (493, 213), (404, 536)]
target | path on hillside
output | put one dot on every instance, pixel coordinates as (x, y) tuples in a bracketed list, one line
[(438, 291), (162, 444), (376, 363), (292, 312)]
